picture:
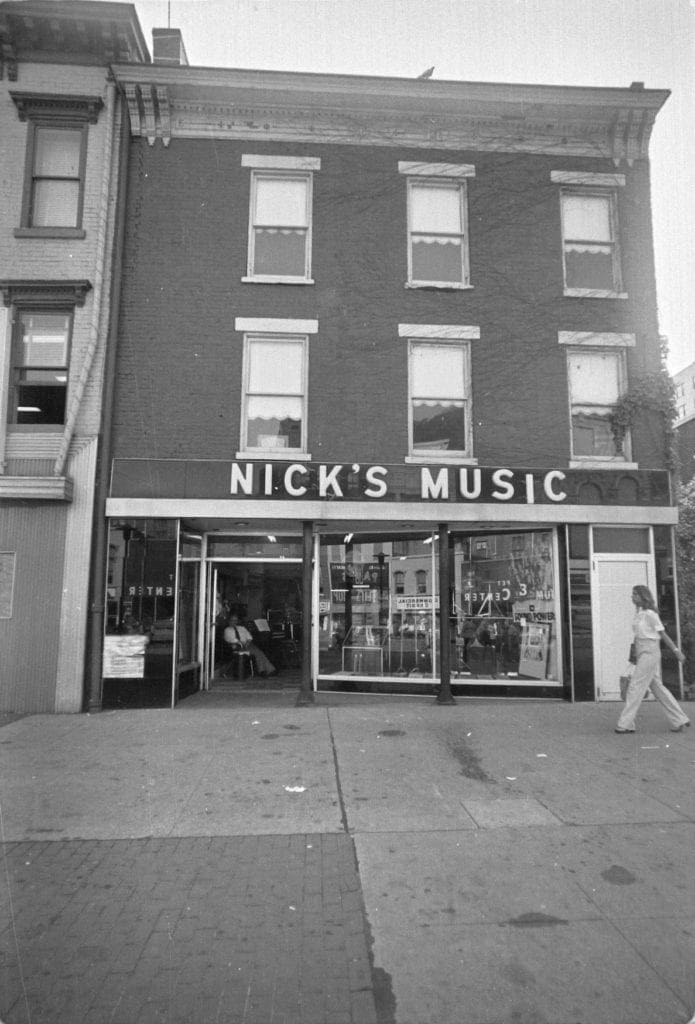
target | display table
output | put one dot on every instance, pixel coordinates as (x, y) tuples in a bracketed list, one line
[(363, 660)]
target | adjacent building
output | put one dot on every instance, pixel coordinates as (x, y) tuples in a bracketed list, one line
[(684, 384), (62, 121), (371, 335)]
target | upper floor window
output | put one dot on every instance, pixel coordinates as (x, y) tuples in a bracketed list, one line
[(274, 399), (280, 219), (439, 399), (54, 182), (591, 253), (43, 314), (437, 224), (40, 361), (597, 377), (399, 582), (421, 581)]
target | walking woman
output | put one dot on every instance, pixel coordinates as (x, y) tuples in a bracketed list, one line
[(649, 632)]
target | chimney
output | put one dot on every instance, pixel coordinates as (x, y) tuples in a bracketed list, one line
[(168, 48)]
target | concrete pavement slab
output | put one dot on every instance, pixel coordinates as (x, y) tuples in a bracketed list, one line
[(532, 924), (519, 863), (161, 773)]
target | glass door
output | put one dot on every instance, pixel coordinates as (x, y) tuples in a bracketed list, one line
[(187, 669)]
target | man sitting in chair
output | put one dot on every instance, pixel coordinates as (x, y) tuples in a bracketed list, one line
[(239, 638)]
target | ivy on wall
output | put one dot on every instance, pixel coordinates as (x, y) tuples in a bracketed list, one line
[(649, 393), (685, 555)]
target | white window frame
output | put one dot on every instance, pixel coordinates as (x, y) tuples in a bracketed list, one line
[(574, 341), (276, 330), (280, 168), (605, 186), (434, 176), (457, 336)]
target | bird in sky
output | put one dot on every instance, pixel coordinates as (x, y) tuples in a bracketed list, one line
[(427, 74)]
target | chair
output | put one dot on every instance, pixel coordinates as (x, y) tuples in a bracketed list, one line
[(239, 661)]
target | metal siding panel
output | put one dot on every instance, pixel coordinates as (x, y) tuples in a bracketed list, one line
[(29, 640)]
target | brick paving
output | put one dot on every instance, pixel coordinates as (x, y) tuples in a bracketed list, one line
[(230, 930)]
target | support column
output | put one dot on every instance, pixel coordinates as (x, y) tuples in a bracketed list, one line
[(444, 696), (306, 693)]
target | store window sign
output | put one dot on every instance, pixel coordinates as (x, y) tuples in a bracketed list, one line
[(443, 483)]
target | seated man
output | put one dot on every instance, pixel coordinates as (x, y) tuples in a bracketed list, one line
[(238, 636)]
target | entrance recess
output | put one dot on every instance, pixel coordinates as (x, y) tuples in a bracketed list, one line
[(262, 591)]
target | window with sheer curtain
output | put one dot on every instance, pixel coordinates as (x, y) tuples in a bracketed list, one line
[(274, 401), (591, 259), (280, 230), (595, 384), (437, 249), (440, 400)]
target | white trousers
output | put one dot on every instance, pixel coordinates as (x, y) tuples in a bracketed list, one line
[(647, 676)]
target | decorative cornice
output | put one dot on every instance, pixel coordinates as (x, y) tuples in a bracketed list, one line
[(44, 293), (82, 33), (32, 105), (216, 103)]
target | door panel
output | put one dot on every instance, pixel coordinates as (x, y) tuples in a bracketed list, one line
[(613, 578)]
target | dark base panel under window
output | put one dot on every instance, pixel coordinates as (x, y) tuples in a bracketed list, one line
[(432, 689), (119, 694)]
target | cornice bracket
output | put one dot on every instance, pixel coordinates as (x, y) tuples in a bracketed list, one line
[(149, 110), (629, 135)]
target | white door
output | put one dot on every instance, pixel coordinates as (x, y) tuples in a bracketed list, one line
[(613, 577)]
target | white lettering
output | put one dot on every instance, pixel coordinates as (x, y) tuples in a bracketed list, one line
[(159, 591), (502, 478), (530, 492), (329, 479), (131, 591), (377, 488), (290, 487), (268, 479), (170, 591), (548, 481), (466, 491), (242, 478), (430, 488)]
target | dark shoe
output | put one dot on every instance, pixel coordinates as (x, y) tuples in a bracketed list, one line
[(624, 730), (679, 728)]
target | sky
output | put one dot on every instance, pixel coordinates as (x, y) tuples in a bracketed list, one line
[(551, 42)]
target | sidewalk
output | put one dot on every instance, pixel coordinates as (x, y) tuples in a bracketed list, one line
[(365, 860)]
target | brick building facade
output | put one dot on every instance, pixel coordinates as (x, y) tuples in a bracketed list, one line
[(61, 121), (371, 333)]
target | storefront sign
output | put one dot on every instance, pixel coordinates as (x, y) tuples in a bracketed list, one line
[(309, 481), (124, 657), (416, 602), (535, 640)]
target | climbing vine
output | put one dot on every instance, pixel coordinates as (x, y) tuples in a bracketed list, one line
[(685, 554), (650, 393)]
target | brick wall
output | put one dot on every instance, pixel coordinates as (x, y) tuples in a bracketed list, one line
[(178, 390)]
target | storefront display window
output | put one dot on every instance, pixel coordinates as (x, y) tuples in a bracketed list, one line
[(140, 604), (380, 609), (506, 608)]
